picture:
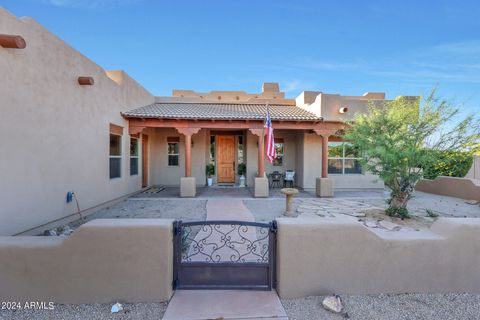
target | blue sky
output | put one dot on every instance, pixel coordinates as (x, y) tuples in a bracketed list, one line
[(347, 47)]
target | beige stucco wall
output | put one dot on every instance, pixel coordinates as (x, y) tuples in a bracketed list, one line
[(289, 150), (318, 257), (54, 132), (327, 105), (312, 159), (103, 261), (163, 174), (474, 172), (464, 188), (356, 181)]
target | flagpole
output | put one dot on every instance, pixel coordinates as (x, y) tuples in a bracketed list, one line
[(263, 135)]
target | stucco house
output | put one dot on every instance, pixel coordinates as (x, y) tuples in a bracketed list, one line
[(191, 129), (70, 126)]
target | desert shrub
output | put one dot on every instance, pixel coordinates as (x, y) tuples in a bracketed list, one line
[(448, 163)]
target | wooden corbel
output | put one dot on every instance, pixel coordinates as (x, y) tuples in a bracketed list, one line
[(188, 131), (257, 132), (135, 130)]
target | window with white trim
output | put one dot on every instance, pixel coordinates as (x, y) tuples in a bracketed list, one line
[(343, 158), (134, 152), (115, 156)]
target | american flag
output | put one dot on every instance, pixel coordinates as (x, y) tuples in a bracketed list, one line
[(270, 145)]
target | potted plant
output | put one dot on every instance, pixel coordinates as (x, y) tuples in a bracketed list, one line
[(242, 169), (210, 171)]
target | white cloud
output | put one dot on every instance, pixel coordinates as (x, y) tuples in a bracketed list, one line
[(90, 4), (455, 62)]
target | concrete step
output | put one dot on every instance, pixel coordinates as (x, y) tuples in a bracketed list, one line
[(224, 304)]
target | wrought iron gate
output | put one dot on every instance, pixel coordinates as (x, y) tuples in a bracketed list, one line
[(224, 255)]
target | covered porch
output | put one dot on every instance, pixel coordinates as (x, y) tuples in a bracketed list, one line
[(182, 149), (205, 192)]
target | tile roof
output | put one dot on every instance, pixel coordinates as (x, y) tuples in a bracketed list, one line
[(221, 111)]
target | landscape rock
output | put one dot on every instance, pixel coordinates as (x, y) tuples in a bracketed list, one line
[(50, 233), (390, 226), (374, 211), (355, 214), (333, 304), (59, 231), (472, 202), (117, 307), (370, 223)]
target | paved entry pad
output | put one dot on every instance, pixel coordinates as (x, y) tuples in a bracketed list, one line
[(224, 304)]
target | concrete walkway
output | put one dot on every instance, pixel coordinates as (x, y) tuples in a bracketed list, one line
[(225, 304), (228, 209)]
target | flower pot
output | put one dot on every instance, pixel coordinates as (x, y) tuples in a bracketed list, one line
[(209, 181), (242, 181)]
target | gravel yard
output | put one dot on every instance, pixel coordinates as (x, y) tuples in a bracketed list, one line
[(389, 307), (180, 209), (137, 311), (376, 307)]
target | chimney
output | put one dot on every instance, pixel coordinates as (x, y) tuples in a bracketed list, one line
[(270, 87)]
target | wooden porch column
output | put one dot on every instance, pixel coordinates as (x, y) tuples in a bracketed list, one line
[(325, 155), (188, 132), (188, 155), (261, 146), (325, 134)]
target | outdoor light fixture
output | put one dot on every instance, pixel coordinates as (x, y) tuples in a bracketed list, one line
[(343, 110)]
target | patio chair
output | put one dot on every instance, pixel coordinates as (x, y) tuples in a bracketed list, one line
[(276, 178), (289, 178)]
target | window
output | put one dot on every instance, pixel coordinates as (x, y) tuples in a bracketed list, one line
[(278, 161), (173, 143), (133, 156), (240, 149), (343, 159), (115, 156), (212, 150)]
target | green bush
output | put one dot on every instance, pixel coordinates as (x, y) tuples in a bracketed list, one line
[(210, 170), (242, 169), (448, 163)]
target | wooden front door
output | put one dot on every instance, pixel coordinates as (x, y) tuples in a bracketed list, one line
[(226, 159), (144, 161)]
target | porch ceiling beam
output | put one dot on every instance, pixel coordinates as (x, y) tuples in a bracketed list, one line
[(231, 124)]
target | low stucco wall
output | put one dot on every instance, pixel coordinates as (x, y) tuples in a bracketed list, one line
[(468, 189), (103, 261), (474, 172), (341, 256)]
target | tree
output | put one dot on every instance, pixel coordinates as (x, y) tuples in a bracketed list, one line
[(397, 138)]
